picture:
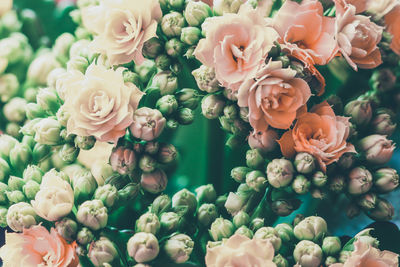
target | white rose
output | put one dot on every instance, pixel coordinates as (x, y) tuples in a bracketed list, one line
[(5, 6)]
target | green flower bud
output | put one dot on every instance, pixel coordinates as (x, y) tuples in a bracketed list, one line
[(172, 124), (48, 100), (69, 153), (360, 111), (298, 219), (15, 183), (20, 156), (143, 247), (30, 94), (304, 163), (30, 189), (4, 170), (33, 111), (206, 214), (245, 231), (148, 223), (212, 106), (7, 143), (21, 215), (129, 192), (84, 236), (152, 48), (331, 245), (40, 152), (221, 228), (319, 179), (386, 180), (179, 248), (383, 210), (152, 147), (307, 254), (169, 221), (188, 98), (190, 35), (14, 130), (131, 77), (285, 207), (239, 174), (14, 110), (241, 219), (280, 172), (337, 184), (41, 67), (8, 86), (15, 196), (206, 79), (85, 142), (280, 261), (147, 163), (92, 214), (254, 159), (270, 234), (172, 24), (367, 201), (67, 228), (301, 185), (167, 153), (177, 5), (62, 45), (77, 63), (185, 116), (163, 62), (206, 194), (48, 132), (256, 180), (108, 194), (146, 70), (285, 232), (102, 252), (330, 260), (174, 47), (360, 181), (167, 104), (256, 224), (311, 228), (382, 80), (166, 82), (344, 255), (84, 185), (154, 182), (185, 198), (196, 12), (34, 173), (3, 217), (161, 204)]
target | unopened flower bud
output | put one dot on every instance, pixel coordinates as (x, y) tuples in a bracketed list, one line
[(285, 207), (172, 24), (319, 179), (360, 181), (212, 106), (84, 236), (307, 254), (185, 198), (67, 228), (344, 255), (40, 153), (330, 260), (147, 124), (383, 210), (206, 79), (41, 67), (21, 215), (239, 174), (30, 189), (167, 104), (383, 122), (221, 228), (206, 214), (48, 132), (102, 252), (15, 196), (241, 219), (206, 194), (311, 228), (256, 180), (77, 63), (263, 141), (33, 111), (196, 12), (245, 231), (15, 183), (143, 247), (360, 111), (169, 222), (382, 80), (3, 217), (123, 160), (301, 185), (188, 98), (84, 185), (377, 149), (20, 156), (174, 47), (386, 180), (221, 7), (280, 261), (154, 182), (4, 170), (148, 223), (153, 47), (190, 35), (167, 153), (9, 86), (163, 62), (179, 248), (69, 153), (85, 142), (7, 143), (128, 192), (254, 159), (108, 194), (147, 163), (14, 111), (256, 224), (304, 163), (346, 161), (270, 234), (161, 204), (367, 201), (331, 245), (48, 100), (280, 172), (145, 70), (285, 232), (92, 214)]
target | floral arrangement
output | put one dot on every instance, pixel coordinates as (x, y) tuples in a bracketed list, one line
[(303, 95)]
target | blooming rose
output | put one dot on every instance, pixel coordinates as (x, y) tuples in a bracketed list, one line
[(366, 255), (122, 27), (360, 5), (37, 247), (100, 103), (358, 37), (55, 198), (392, 21), (239, 250), (5, 6), (306, 32), (320, 133), (274, 98), (235, 45)]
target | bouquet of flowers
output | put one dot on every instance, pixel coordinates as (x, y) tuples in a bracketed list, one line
[(292, 105)]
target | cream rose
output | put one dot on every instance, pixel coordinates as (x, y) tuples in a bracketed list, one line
[(380, 8), (101, 104), (121, 27), (239, 250), (5, 6), (55, 198)]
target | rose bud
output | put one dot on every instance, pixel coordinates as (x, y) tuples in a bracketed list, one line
[(360, 111), (330, 260), (163, 62), (280, 261), (311, 228), (331, 245), (244, 231), (166, 82), (84, 236), (190, 35), (307, 254), (21, 215), (382, 80), (148, 223), (154, 182), (167, 153), (7, 143), (298, 219), (9, 87), (143, 247), (353, 210), (241, 219), (92, 214), (108, 194), (147, 124), (167, 105), (280, 172), (221, 228), (85, 142), (169, 222), (212, 106), (256, 180), (360, 181), (254, 159), (188, 98), (383, 210), (205, 79), (386, 180), (102, 252), (367, 201), (239, 174), (84, 185), (172, 24), (161, 204), (196, 12), (377, 149), (256, 224), (270, 234), (383, 122), (179, 247), (174, 47), (285, 232), (67, 228), (284, 207), (152, 48), (319, 179), (147, 163), (301, 185), (185, 198), (347, 160), (123, 160), (263, 141), (30, 189), (304, 163), (344, 255), (15, 183), (206, 214), (48, 132), (14, 111), (206, 194)]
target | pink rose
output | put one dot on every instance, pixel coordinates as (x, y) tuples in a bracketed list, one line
[(235, 45), (240, 250), (358, 38), (147, 124), (365, 255), (37, 247), (263, 141), (360, 5), (392, 21), (121, 27), (274, 98), (100, 103)]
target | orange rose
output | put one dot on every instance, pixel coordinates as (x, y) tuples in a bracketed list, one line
[(320, 133), (392, 21), (37, 247), (274, 98)]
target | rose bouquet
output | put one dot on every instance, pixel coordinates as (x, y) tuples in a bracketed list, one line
[(296, 101)]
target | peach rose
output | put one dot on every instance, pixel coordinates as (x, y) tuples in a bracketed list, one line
[(392, 21), (365, 255), (306, 32), (239, 250), (358, 38), (5, 6), (360, 5), (100, 103), (37, 247), (320, 133), (235, 45), (122, 27), (274, 98)]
